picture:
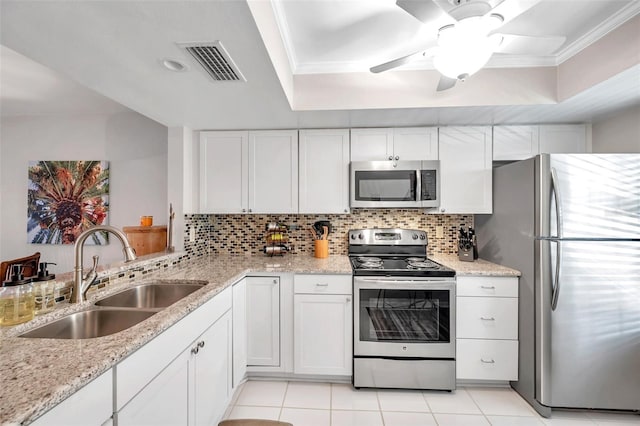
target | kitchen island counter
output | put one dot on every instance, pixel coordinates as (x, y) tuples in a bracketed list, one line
[(37, 374)]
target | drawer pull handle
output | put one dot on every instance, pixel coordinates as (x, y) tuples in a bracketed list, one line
[(491, 361), (322, 284), (488, 287), (487, 319)]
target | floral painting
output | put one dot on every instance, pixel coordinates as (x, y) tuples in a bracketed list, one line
[(66, 198)]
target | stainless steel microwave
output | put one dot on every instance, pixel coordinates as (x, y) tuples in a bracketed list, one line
[(395, 184)]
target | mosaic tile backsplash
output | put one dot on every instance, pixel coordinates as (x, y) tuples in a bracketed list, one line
[(245, 234)]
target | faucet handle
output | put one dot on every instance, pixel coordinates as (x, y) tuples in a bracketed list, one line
[(93, 272)]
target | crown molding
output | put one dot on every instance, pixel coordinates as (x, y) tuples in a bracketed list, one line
[(285, 33), (614, 21)]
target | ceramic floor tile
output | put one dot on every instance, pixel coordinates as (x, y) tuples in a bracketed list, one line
[(262, 393), (391, 400), (500, 402), (355, 418), (249, 412), (308, 395), (568, 418), (345, 397), (460, 420), (456, 402), (606, 419), (306, 417), (514, 421), (396, 418)]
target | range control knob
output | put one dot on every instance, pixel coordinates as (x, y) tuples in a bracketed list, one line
[(423, 237), (361, 236), (414, 236), (353, 236)]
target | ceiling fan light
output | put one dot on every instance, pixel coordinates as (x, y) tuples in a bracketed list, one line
[(464, 60)]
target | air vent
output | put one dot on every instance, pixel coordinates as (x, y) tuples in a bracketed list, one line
[(215, 60)]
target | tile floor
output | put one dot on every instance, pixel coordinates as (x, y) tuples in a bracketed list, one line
[(323, 404)]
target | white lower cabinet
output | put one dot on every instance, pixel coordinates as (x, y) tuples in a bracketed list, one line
[(487, 328), (183, 376), (91, 405), (263, 321), (239, 332), (323, 325)]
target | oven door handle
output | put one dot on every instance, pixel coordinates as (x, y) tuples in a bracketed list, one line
[(404, 281), (390, 284)]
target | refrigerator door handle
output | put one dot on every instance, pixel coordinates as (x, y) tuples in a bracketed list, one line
[(555, 285), (555, 190)]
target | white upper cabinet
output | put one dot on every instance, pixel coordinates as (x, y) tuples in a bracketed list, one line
[(224, 181), (273, 171), (400, 144), (563, 138), (249, 172), (465, 170), (324, 171), (515, 142), (520, 142)]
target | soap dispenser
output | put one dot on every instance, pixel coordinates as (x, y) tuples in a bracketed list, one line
[(16, 298), (43, 288)]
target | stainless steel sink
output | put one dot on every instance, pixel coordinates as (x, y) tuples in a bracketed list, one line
[(90, 323), (151, 296)]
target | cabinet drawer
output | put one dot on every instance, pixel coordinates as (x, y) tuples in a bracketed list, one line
[(487, 286), (486, 359), (487, 318), (323, 284)]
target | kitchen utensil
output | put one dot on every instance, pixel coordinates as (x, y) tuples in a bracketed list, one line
[(319, 224), (313, 232), (325, 232)]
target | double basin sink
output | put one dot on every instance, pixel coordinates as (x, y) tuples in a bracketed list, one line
[(117, 312)]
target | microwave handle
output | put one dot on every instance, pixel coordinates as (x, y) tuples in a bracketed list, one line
[(419, 185)]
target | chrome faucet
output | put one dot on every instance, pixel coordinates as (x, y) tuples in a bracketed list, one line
[(82, 284)]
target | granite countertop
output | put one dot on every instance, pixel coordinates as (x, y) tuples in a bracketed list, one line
[(38, 374), (478, 267)]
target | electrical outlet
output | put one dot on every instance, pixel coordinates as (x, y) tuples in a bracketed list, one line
[(192, 235), (439, 232)]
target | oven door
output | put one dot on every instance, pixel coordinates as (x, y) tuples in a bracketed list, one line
[(407, 318)]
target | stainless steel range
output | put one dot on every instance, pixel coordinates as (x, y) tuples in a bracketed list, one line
[(404, 312)]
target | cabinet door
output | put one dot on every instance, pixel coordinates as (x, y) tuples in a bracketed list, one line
[(415, 143), (465, 170), (273, 171), (322, 334), (371, 144), (239, 332), (212, 373), (164, 401), (263, 321), (324, 171), (515, 142), (564, 138), (223, 172), (91, 405)]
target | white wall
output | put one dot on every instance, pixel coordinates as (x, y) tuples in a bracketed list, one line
[(136, 148), (620, 133)]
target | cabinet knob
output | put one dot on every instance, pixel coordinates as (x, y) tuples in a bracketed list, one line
[(194, 351), (249, 210), (275, 281), (391, 157), (201, 344), (442, 210), (397, 157), (346, 210), (348, 299), (244, 210)]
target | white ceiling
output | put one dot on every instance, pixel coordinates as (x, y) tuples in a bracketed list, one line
[(114, 48)]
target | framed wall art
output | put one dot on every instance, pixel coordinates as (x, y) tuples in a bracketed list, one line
[(66, 198)]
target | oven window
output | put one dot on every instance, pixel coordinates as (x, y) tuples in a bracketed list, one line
[(404, 315), (386, 185)]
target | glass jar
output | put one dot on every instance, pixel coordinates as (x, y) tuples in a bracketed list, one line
[(16, 302)]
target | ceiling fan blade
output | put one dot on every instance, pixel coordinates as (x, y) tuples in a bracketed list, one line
[(529, 45), (446, 83), (425, 11), (510, 9), (398, 62)]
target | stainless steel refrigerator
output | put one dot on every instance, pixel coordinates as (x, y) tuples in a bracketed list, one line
[(571, 224)]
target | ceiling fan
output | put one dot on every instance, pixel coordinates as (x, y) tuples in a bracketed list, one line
[(467, 37)]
